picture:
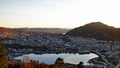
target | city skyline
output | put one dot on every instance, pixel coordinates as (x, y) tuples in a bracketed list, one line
[(58, 13)]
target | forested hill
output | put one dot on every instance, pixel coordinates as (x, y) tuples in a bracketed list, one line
[(96, 30)]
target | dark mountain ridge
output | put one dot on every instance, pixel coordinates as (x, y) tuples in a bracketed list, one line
[(96, 30)]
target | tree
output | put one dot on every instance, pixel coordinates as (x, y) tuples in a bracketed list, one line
[(80, 65), (59, 63), (3, 57)]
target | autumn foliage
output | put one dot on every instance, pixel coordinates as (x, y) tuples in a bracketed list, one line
[(59, 63), (3, 57)]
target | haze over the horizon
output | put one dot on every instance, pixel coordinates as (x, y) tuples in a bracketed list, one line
[(58, 13)]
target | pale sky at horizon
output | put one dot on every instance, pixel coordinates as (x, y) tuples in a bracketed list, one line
[(58, 13)]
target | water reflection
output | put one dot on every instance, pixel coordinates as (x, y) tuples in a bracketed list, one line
[(68, 58)]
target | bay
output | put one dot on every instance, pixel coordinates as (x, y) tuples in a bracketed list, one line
[(68, 58)]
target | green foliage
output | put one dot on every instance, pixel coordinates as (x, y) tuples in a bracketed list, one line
[(3, 58)]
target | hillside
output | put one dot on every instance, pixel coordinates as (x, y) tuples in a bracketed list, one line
[(96, 30), (6, 31)]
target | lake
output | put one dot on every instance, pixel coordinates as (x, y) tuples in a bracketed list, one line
[(68, 58)]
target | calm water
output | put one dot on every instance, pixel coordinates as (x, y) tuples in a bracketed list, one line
[(68, 58)]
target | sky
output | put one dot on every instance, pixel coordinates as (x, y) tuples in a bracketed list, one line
[(58, 13)]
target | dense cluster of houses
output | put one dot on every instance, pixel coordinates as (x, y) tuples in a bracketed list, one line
[(40, 42)]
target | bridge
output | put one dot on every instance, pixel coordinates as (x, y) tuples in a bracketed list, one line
[(106, 62), (103, 57)]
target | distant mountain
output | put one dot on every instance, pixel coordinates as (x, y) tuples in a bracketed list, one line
[(47, 30), (6, 31), (96, 30)]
